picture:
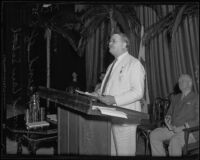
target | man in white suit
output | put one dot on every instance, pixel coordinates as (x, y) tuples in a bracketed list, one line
[(123, 87)]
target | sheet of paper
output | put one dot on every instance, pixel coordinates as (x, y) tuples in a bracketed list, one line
[(100, 107), (52, 117), (37, 124), (86, 93), (110, 111)]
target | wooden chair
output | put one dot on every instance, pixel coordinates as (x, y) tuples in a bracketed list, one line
[(159, 111), (189, 148), (160, 108), (192, 148)]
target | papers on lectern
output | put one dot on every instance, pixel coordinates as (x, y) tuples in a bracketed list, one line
[(110, 111), (86, 94)]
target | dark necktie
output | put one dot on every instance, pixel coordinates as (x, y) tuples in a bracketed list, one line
[(107, 77)]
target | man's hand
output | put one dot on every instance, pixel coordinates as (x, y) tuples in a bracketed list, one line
[(177, 129), (168, 122), (94, 94), (109, 100), (168, 119)]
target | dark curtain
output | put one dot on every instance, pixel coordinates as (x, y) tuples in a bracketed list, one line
[(185, 49), (15, 17), (96, 59), (157, 65), (65, 61), (168, 58)]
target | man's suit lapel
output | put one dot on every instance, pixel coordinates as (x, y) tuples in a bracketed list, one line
[(181, 103), (187, 98), (120, 66)]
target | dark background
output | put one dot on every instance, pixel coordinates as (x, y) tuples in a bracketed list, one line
[(64, 60)]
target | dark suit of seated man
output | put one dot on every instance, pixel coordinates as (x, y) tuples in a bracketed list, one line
[(183, 113)]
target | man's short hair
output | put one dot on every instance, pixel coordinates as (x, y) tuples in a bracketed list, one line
[(124, 38), (186, 76)]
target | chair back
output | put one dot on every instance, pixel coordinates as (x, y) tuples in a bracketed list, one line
[(160, 108)]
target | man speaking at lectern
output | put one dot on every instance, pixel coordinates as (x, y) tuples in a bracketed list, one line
[(123, 85)]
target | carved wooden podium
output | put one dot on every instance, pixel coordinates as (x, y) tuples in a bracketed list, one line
[(83, 130)]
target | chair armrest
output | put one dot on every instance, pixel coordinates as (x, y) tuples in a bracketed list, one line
[(191, 129), (187, 131)]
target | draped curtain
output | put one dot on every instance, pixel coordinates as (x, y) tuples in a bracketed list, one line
[(158, 68), (95, 57), (169, 57), (166, 58), (15, 17), (185, 49)]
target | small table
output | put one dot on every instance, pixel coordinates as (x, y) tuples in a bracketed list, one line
[(34, 137)]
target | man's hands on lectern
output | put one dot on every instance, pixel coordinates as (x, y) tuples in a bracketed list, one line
[(94, 94), (109, 100)]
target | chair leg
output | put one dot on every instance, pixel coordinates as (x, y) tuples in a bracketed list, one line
[(145, 135), (147, 145)]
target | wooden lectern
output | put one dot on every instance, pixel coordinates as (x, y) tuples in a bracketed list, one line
[(83, 130)]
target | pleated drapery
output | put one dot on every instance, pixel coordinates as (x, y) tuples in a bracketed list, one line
[(94, 57)]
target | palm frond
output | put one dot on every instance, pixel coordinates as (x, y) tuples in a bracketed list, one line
[(93, 24), (156, 28), (121, 20), (63, 17), (81, 46), (65, 20), (92, 12), (66, 34), (93, 19), (178, 19), (157, 9), (132, 19), (80, 7), (65, 25), (130, 13), (171, 21), (87, 32), (124, 15)]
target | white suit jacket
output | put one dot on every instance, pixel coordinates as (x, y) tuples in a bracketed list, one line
[(126, 83)]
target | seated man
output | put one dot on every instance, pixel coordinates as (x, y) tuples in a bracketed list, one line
[(183, 113), (100, 79)]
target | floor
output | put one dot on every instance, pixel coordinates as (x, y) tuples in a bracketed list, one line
[(11, 146)]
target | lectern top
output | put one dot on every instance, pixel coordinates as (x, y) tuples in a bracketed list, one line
[(84, 104)]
